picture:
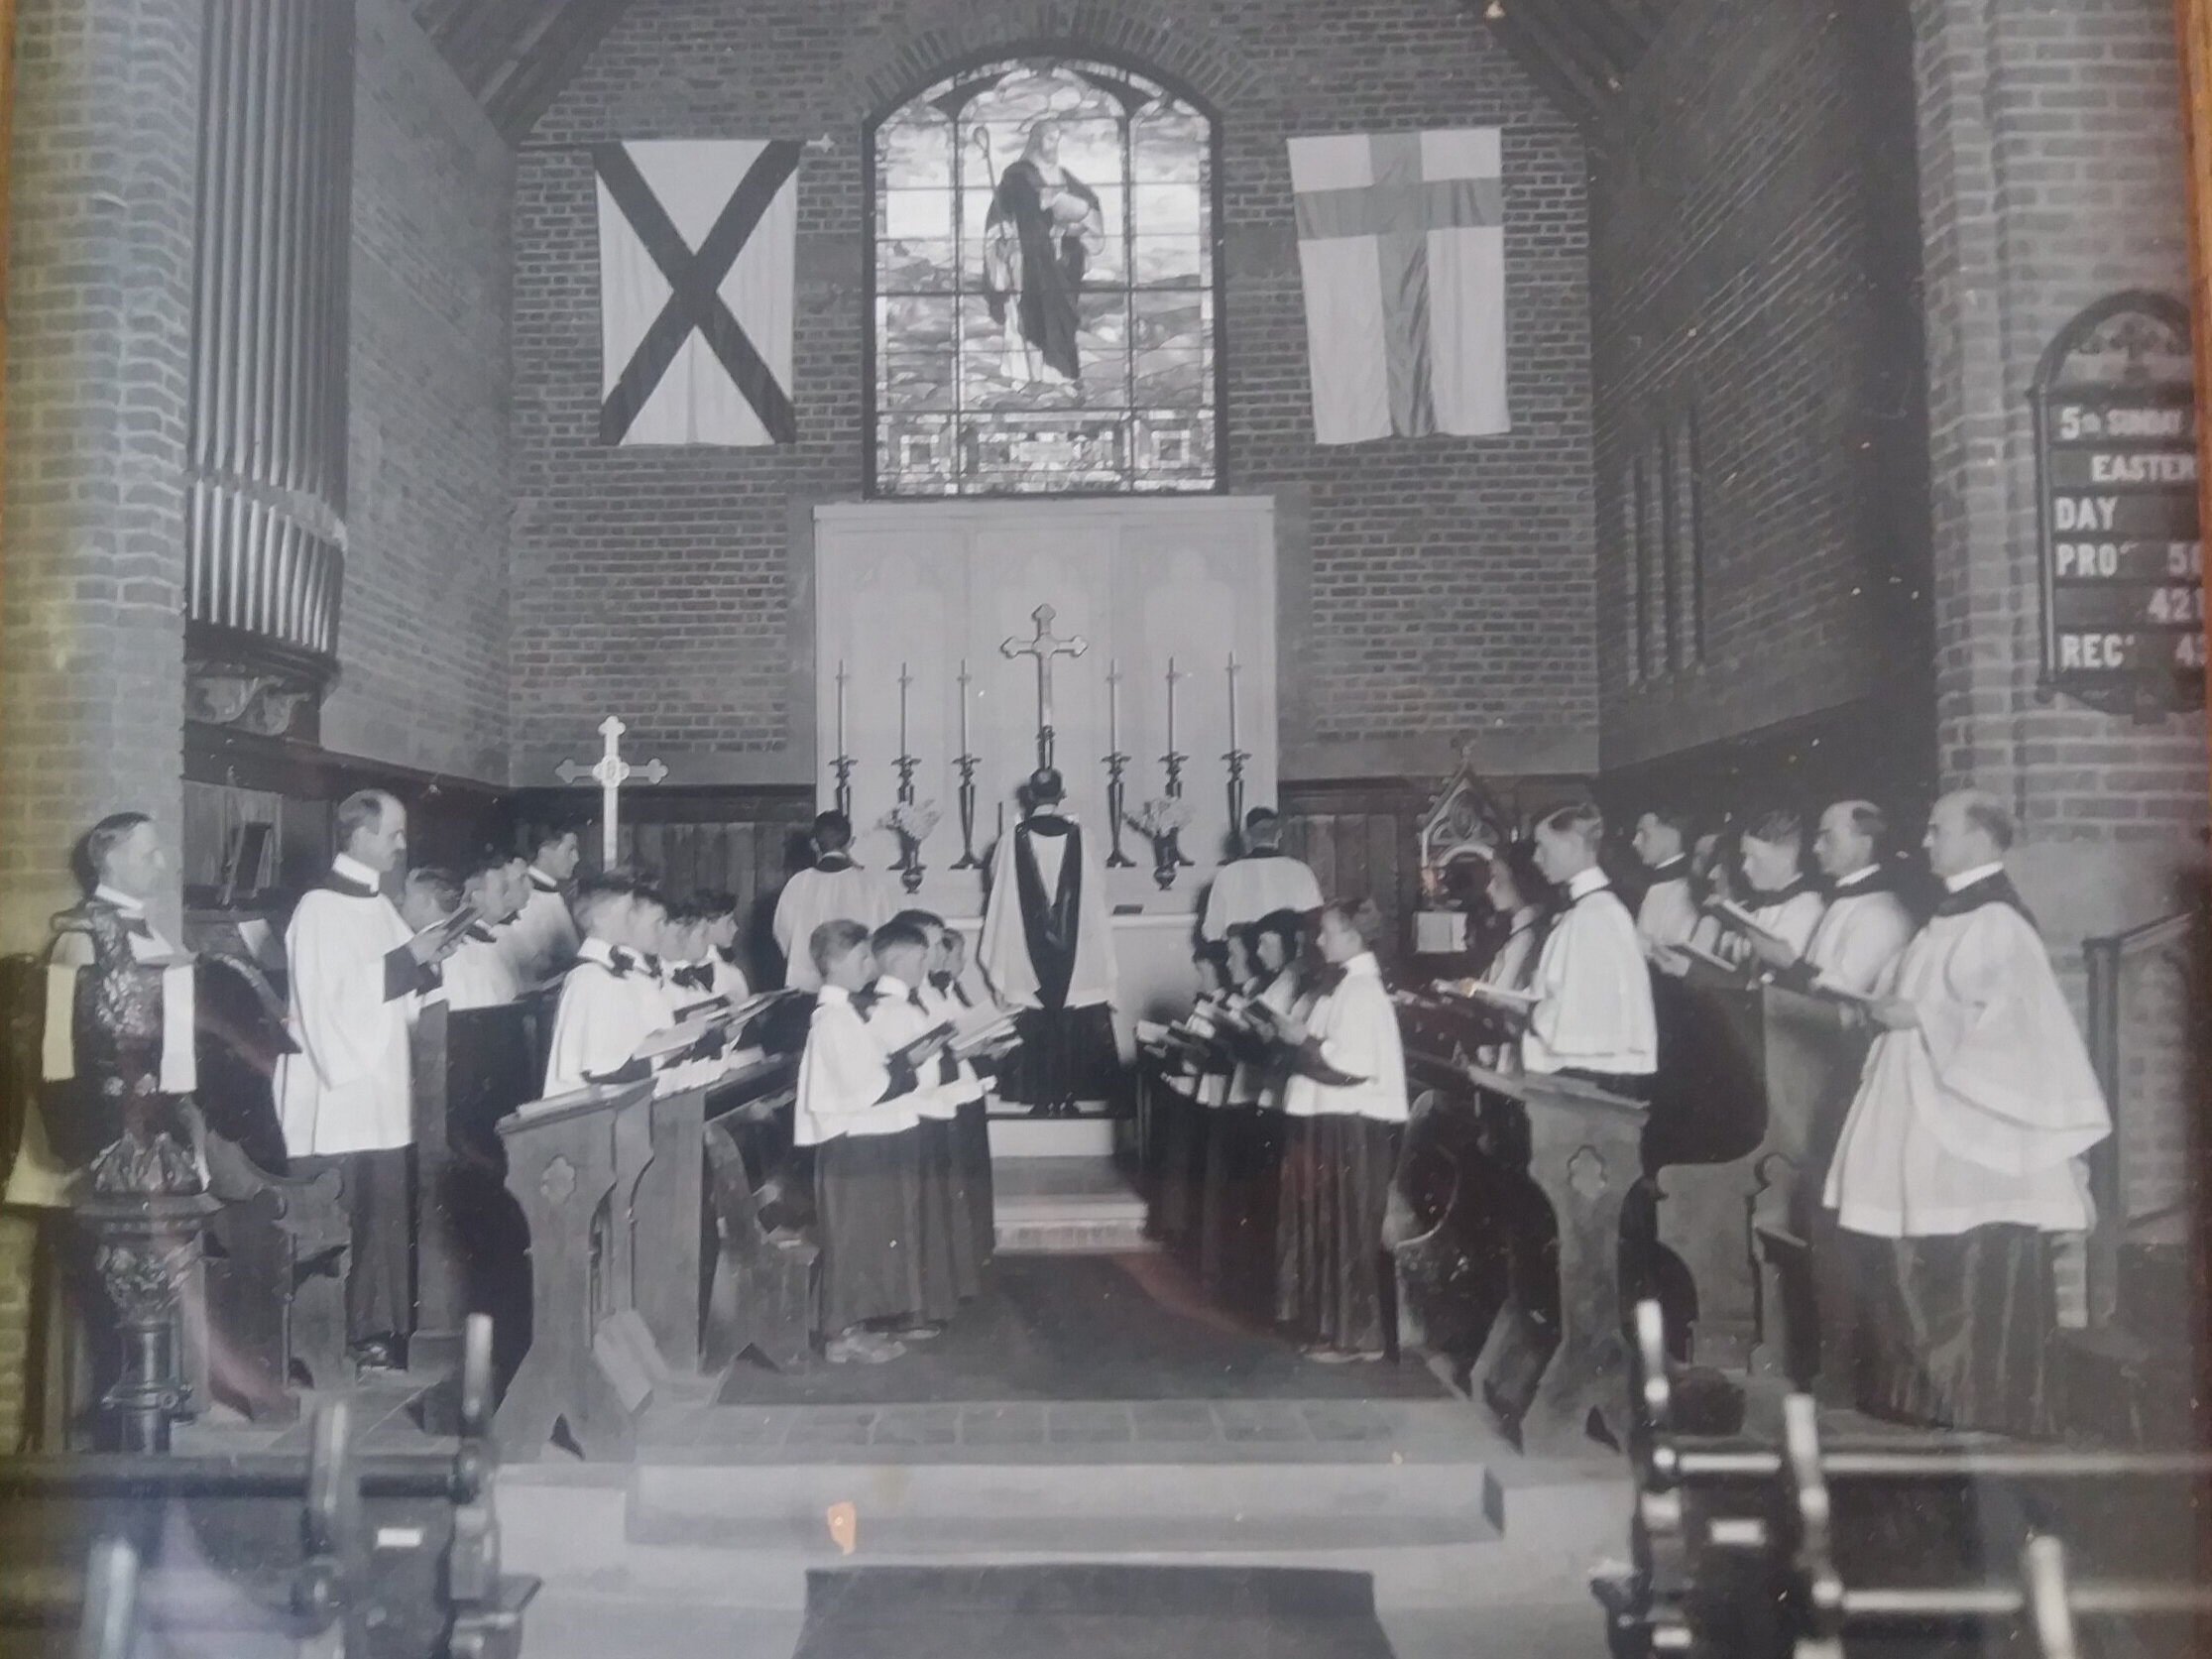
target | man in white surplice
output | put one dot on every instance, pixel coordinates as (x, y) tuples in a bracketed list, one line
[(832, 889), (1262, 882), (357, 979), (1048, 951), (1960, 1156)]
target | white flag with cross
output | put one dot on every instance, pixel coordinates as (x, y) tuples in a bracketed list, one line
[(1401, 243)]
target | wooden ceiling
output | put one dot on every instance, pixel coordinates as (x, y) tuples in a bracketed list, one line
[(1581, 52), (515, 55)]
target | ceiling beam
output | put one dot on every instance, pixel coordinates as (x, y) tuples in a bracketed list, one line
[(1561, 79), (483, 37), (1602, 26), (531, 84)]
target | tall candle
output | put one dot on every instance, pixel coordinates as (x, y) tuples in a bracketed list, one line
[(963, 705), (1232, 700), (841, 708), (902, 684), (1170, 678), (1114, 706)]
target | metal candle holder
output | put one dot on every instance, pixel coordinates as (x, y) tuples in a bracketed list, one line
[(1172, 764), (909, 850), (966, 763), (842, 766), (1235, 757), (1117, 764)]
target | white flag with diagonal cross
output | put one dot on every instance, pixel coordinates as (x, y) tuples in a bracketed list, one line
[(696, 248), (1401, 242)]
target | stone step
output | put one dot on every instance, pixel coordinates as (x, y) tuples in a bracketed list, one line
[(1015, 1139), (1066, 1206)]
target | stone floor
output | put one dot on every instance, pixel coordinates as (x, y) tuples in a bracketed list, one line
[(1133, 1326)]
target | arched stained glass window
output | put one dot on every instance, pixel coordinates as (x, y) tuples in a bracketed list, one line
[(1045, 290)]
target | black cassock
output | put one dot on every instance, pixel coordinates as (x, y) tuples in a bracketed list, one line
[(1066, 1054)]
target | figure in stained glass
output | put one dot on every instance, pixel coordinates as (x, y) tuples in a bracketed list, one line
[(1046, 300), (1043, 221)]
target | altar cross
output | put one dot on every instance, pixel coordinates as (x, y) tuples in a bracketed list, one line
[(1044, 647), (610, 771)]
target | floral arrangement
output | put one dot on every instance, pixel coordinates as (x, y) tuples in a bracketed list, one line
[(911, 820), (1162, 817)]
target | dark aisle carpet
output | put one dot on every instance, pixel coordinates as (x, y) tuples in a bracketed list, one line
[(1090, 1613), (1086, 1328)]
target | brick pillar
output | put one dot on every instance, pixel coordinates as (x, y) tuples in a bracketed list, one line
[(103, 164), (2050, 175), (101, 185)]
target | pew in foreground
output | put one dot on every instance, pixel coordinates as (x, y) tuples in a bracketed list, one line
[(1906, 1545), (333, 1548)]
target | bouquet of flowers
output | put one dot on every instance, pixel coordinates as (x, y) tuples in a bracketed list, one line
[(1162, 817), (911, 820)]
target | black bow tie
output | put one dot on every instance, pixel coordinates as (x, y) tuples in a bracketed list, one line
[(137, 928), (729, 957), (618, 964), (698, 977)]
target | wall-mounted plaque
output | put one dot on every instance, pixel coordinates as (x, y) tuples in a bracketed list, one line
[(2115, 473)]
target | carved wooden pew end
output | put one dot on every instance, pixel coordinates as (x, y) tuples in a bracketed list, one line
[(764, 1281)]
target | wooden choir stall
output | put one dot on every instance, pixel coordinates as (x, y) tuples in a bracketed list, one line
[(647, 1277)]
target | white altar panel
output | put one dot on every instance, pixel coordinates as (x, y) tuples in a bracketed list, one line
[(929, 583)]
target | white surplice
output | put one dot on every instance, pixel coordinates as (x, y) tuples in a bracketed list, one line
[(1667, 915), (1792, 920), (478, 974), (1594, 992), (1359, 1030), (1861, 936), (1255, 886), (1977, 1115), (347, 1089), (835, 889), (541, 941), (842, 1077), (609, 1004)]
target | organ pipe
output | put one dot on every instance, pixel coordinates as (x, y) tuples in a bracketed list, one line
[(266, 530)]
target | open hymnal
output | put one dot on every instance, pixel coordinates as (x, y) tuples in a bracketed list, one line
[(1744, 922), (984, 1031), (1484, 991), (1697, 953), (697, 1023), (448, 928)]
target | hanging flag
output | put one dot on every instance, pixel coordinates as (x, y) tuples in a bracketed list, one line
[(696, 245), (1401, 239)]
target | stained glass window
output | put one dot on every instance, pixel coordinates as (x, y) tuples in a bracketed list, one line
[(1044, 286)]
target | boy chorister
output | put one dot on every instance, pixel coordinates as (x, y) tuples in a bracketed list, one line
[(897, 1014), (854, 1108), (610, 1001), (949, 1001), (480, 973), (1779, 900), (717, 917), (1592, 1017), (1346, 1107)]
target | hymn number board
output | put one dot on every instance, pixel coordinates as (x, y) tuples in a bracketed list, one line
[(2122, 551)]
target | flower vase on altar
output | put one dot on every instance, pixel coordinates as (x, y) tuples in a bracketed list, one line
[(1162, 821), (913, 822)]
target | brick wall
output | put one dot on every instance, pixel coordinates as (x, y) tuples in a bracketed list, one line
[(99, 291), (1450, 579), (2051, 175), (423, 646), (1757, 349)]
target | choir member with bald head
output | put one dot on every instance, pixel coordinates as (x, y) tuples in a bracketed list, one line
[(1959, 1161)]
